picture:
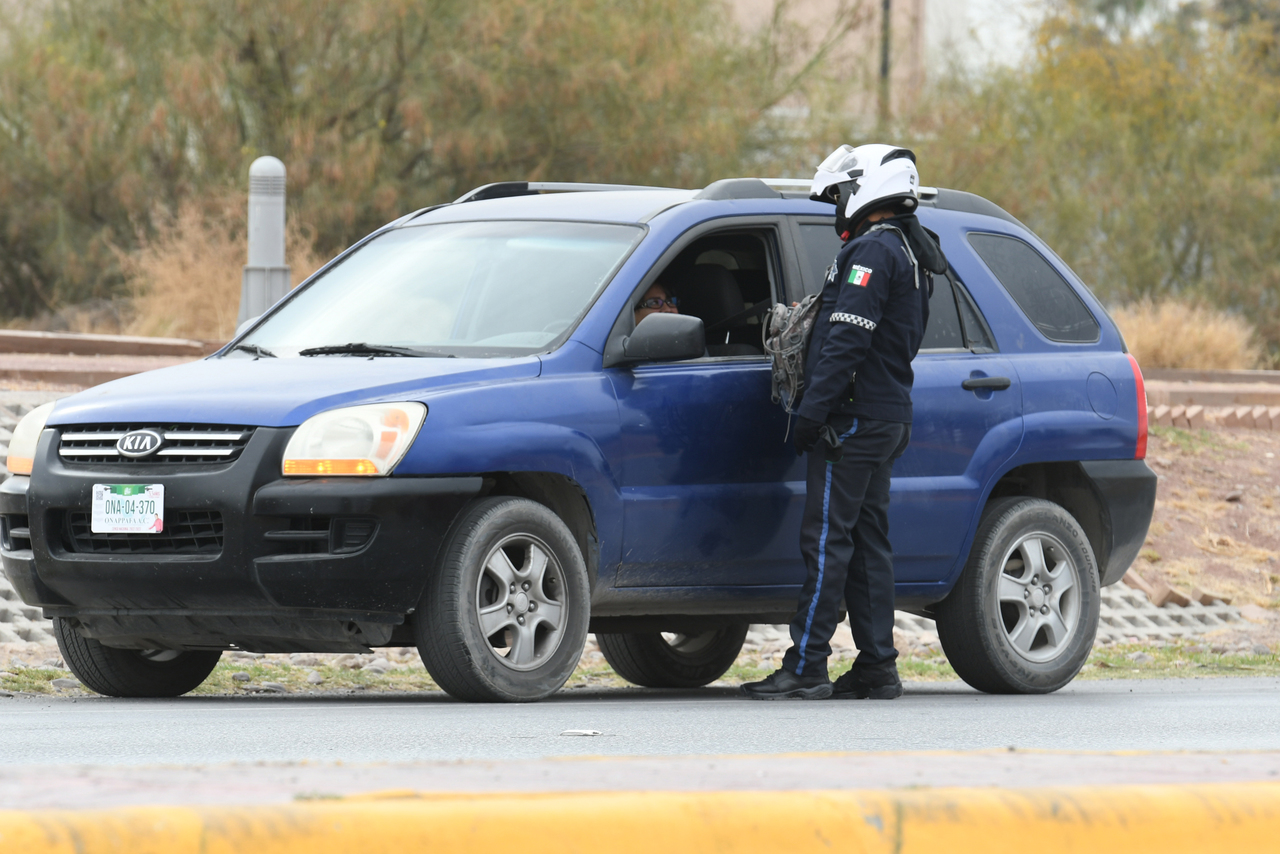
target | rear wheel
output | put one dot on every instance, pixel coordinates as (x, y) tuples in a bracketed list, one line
[(132, 672), (1024, 614), (504, 617), (670, 660)]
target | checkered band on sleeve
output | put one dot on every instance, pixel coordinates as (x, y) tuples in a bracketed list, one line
[(842, 317)]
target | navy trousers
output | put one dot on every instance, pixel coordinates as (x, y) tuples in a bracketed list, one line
[(844, 539)]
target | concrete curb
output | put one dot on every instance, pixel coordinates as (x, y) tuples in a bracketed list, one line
[(1212, 395), (82, 371), (1194, 375), (1134, 819), (82, 344)]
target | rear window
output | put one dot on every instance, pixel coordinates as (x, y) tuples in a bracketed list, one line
[(1039, 290)]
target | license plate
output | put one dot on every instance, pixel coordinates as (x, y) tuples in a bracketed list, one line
[(127, 508)]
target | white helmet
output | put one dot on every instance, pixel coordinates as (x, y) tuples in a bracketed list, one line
[(860, 180)]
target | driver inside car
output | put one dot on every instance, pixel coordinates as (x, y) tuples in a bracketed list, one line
[(656, 300)]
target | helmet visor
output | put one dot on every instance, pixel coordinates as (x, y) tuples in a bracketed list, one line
[(842, 159)]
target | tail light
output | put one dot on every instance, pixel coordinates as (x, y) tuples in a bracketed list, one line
[(1140, 453)]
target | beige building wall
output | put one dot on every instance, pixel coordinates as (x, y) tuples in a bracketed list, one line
[(859, 49)]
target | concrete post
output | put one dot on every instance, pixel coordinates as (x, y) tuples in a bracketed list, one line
[(266, 276)]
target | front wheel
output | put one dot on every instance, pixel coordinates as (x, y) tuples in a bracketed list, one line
[(505, 614), (669, 660), (132, 672), (1024, 614)]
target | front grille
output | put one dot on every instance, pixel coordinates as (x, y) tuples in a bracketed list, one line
[(86, 444), (185, 532)]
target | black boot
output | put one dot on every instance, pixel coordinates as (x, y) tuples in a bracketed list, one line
[(783, 684), (868, 681)]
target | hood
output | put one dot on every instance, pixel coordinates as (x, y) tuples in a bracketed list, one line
[(276, 392)]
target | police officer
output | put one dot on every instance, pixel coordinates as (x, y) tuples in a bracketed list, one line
[(854, 420)]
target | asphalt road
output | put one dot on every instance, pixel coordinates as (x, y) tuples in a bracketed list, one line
[(1158, 715), (97, 752)]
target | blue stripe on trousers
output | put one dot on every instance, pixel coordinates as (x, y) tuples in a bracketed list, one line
[(822, 565), (822, 559)]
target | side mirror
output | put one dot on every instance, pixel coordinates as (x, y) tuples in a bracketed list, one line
[(664, 337)]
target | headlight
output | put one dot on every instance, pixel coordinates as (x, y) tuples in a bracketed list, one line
[(22, 447), (366, 441)]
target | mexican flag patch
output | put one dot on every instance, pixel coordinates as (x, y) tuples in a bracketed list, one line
[(859, 276)]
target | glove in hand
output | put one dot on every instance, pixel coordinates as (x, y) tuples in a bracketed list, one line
[(808, 434)]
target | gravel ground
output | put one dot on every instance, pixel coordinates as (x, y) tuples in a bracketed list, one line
[(1217, 518), (38, 669)]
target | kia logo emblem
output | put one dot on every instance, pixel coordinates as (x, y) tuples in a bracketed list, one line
[(139, 443)]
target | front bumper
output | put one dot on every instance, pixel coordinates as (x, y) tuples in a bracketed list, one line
[(248, 558)]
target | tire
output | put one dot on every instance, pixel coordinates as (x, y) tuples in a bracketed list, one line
[(1002, 630), (504, 616), (663, 660), (132, 672)]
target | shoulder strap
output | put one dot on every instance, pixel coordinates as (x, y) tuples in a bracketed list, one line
[(906, 244)]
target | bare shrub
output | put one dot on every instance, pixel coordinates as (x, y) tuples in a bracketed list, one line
[(185, 280), (1175, 334)]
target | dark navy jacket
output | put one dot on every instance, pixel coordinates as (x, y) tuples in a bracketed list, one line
[(871, 323)]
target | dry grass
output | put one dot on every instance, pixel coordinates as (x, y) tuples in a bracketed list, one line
[(1173, 334), (185, 280)]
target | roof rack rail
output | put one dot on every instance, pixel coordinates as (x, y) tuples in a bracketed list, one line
[(756, 188), (790, 188), (788, 183), (738, 188), (509, 189)]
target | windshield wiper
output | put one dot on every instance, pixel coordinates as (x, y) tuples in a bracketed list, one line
[(360, 349), (258, 352)]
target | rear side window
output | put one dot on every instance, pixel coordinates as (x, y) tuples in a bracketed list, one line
[(1038, 289), (977, 333)]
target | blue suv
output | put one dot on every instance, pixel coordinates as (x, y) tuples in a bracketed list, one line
[(456, 435)]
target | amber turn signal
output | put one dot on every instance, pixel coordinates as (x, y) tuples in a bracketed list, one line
[(323, 467)]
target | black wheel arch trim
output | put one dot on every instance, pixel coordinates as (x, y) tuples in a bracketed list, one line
[(1112, 500), (1126, 491), (1122, 492)]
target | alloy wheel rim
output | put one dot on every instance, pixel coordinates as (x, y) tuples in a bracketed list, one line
[(1038, 597), (520, 602)]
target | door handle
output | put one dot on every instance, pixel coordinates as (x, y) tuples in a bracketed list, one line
[(994, 383)]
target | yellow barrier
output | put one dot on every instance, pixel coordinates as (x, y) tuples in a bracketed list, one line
[(1129, 819)]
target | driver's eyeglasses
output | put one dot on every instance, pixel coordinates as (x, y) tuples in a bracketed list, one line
[(658, 302)]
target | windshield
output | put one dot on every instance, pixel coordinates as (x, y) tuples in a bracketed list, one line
[(453, 289)]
